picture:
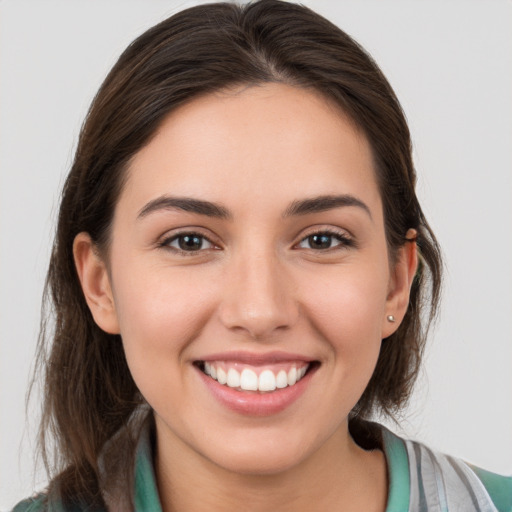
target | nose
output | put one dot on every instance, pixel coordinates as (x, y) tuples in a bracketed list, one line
[(258, 297)]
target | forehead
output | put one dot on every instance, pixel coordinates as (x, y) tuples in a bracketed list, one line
[(270, 143)]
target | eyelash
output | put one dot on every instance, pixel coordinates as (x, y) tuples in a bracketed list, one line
[(345, 242), (166, 243)]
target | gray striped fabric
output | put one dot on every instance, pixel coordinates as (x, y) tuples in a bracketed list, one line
[(440, 483)]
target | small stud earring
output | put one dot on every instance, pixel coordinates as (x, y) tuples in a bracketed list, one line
[(391, 318)]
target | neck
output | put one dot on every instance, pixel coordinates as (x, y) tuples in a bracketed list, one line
[(338, 476)]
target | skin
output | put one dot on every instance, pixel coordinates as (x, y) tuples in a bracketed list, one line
[(258, 286)]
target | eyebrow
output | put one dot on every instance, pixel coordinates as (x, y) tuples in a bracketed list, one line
[(210, 209), (324, 203), (186, 204)]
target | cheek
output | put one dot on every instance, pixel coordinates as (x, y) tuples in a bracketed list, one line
[(159, 314), (347, 307)]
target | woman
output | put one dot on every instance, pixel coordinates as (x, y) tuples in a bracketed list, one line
[(239, 277)]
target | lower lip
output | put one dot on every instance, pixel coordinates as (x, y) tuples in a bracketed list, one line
[(253, 403)]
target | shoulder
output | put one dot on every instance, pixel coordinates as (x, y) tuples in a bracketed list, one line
[(114, 494), (499, 487), (440, 482), (43, 503), (35, 504)]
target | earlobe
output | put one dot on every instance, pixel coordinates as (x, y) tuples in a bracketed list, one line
[(400, 284), (95, 282)]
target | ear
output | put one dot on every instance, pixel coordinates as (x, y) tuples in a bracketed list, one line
[(402, 276), (95, 282)]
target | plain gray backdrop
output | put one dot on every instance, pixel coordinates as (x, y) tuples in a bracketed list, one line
[(450, 63)]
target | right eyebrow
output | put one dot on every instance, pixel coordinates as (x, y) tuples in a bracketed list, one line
[(186, 204)]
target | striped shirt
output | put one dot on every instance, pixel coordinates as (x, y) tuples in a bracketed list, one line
[(422, 480)]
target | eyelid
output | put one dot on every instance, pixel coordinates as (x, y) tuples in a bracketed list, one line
[(344, 236), (169, 236), (175, 238)]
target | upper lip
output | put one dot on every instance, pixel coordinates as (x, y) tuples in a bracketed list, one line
[(254, 358)]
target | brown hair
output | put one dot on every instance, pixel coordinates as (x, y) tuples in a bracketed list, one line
[(89, 392)]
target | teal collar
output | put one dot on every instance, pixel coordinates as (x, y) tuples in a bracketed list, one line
[(145, 493), (398, 472)]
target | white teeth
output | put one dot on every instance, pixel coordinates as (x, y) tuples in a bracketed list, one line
[(281, 380), (233, 378), (267, 381), (249, 380), (221, 376)]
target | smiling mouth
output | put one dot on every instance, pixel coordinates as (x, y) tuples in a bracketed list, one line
[(243, 377)]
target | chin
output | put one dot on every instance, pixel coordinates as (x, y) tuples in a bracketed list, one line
[(258, 458), (258, 465)]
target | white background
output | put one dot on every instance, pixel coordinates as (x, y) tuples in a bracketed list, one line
[(450, 62)]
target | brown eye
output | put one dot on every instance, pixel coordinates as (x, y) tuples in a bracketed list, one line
[(325, 240), (189, 242), (322, 241)]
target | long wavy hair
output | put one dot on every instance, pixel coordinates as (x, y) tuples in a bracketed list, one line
[(89, 395)]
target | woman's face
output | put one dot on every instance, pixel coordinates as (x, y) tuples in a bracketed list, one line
[(249, 242)]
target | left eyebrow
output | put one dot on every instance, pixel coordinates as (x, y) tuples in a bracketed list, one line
[(324, 203)]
